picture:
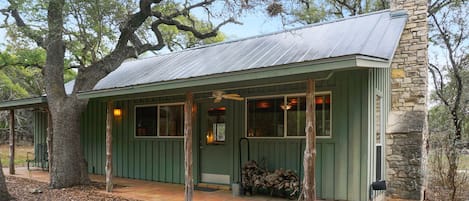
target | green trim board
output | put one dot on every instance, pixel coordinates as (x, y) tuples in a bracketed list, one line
[(24, 103)]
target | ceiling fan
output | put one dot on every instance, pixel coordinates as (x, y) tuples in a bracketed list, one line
[(219, 95)]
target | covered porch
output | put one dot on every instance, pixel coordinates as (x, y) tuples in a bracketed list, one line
[(148, 190)]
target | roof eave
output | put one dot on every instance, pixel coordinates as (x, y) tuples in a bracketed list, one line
[(24, 103), (330, 64)]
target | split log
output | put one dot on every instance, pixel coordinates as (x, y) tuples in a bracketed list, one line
[(280, 181)]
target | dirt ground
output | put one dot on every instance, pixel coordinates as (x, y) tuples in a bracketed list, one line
[(29, 190)]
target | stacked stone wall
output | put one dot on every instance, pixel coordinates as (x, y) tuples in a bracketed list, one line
[(406, 133)]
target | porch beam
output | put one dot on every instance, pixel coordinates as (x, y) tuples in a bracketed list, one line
[(309, 160), (12, 142), (109, 146), (188, 117)]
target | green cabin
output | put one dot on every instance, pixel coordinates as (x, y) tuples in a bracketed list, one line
[(252, 89)]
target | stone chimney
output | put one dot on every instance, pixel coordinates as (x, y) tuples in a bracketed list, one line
[(406, 134)]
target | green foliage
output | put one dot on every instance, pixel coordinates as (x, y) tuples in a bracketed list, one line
[(21, 73), (20, 76), (309, 11)]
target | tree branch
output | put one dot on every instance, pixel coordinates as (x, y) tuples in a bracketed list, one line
[(25, 29), (437, 6), (26, 65), (439, 86), (193, 30)]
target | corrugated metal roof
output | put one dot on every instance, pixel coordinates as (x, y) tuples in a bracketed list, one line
[(33, 101), (374, 35)]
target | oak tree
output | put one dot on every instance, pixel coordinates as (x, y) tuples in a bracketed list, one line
[(95, 37)]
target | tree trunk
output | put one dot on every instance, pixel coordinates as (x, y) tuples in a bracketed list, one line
[(4, 195), (109, 147), (50, 153), (189, 183), (309, 160), (69, 167), (12, 142)]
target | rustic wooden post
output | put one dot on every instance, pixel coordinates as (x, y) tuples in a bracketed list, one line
[(309, 160), (109, 146), (189, 183), (12, 142), (49, 139)]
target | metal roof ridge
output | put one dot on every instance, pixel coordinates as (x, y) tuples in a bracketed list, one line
[(393, 14)]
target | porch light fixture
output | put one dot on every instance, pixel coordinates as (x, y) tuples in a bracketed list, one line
[(117, 112)]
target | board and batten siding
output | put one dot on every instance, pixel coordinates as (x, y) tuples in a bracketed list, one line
[(342, 160), (40, 138), (379, 84), (157, 159), (341, 171)]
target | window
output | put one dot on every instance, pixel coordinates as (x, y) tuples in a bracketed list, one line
[(145, 121), (265, 117), (165, 120), (285, 116), (171, 120)]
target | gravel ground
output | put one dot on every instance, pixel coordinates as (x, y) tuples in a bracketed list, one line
[(25, 189)]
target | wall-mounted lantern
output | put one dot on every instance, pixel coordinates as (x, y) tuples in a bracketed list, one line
[(117, 112)]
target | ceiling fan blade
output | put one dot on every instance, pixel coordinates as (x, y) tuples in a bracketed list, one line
[(232, 95), (233, 98)]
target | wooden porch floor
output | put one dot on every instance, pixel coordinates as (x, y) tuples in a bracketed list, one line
[(151, 191)]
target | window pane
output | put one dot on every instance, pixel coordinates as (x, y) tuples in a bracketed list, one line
[(145, 121), (323, 115), (296, 116), (265, 117), (172, 120)]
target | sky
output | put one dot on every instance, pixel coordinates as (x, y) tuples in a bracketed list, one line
[(253, 25)]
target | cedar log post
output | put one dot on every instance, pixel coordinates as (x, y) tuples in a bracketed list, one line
[(309, 160), (49, 139), (189, 183), (109, 147), (12, 142)]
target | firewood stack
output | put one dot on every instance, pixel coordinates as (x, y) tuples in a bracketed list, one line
[(280, 182)]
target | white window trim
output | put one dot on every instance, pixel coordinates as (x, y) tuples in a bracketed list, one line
[(158, 136), (285, 136)]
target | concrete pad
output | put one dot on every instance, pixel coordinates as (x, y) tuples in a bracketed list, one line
[(148, 190)]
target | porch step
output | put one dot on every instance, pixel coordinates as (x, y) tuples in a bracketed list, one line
[(214, 186)]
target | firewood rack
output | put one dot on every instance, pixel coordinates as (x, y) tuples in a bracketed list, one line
[(241, 163)]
